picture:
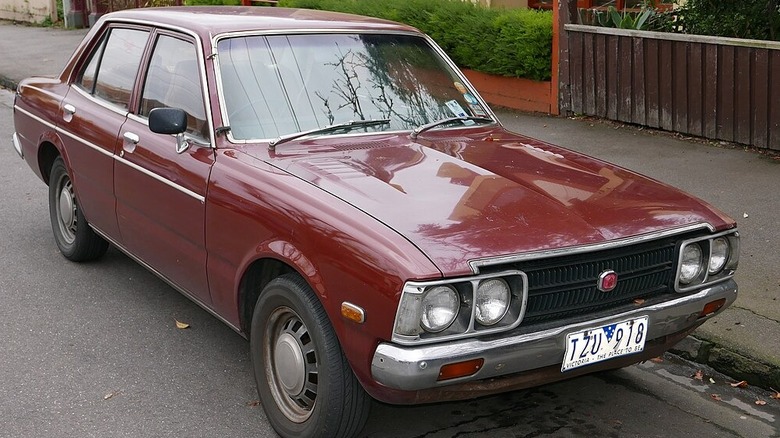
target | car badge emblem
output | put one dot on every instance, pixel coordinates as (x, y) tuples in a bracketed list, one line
[(607, 281)]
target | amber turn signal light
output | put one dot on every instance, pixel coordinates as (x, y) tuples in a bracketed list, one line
[(352, 312), (712, 307), (460, 369)]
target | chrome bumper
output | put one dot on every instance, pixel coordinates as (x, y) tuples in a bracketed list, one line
[(17, 145), (417, 368)]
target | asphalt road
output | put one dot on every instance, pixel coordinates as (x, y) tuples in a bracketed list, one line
[(93, 350)]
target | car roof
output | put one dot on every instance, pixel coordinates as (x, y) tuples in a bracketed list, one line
[(215, 20)]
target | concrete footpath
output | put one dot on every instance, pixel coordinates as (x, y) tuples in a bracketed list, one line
[(744, 341)]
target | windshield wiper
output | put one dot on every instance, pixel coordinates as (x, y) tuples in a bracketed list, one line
[(420, 129), (330, 128)]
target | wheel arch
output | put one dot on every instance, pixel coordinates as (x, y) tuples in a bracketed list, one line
[(257, 275), (47, 153)]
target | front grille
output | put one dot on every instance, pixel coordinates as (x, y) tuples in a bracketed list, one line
[(564, 287)]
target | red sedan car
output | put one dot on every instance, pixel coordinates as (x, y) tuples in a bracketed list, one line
[(333, 188)]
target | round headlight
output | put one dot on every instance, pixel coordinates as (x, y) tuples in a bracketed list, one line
[(720, 254), (492, 301), (691, 263), (439, 308)]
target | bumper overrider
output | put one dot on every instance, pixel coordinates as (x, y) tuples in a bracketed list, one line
[(525, 360)]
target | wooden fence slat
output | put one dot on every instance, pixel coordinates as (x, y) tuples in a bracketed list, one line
[(679, 82), (760, 95), (625, 46), (652, 102), (575, 71), (695, 87), (614, 66), (589, 75), (638, 115), (600, 63), (710, 108), (742, 95), (665, 83), (726, 93), (774, 98)]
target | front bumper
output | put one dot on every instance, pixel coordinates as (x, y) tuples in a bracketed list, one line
[(416, 368), (17, 145)]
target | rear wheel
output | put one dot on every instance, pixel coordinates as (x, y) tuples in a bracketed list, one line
[(74, 237), (306, 386)]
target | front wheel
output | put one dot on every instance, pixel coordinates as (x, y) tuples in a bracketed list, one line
[(306, 386), (74, 237)]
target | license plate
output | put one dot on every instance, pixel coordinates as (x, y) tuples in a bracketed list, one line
[(602, 343)]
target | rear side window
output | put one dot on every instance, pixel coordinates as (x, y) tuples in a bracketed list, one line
[(111, 71)]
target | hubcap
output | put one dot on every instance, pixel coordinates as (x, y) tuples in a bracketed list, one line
[(66, 211), (290, 364), (288, 360)]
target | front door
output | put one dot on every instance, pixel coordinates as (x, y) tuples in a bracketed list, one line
[(161, 193)]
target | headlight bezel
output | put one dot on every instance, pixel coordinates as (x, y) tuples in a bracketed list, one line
[(408, 330), (706, 276)]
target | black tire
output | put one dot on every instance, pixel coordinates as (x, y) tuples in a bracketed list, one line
[(306, 385), (75, 238)]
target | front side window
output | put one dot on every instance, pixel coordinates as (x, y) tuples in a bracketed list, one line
[(113, 66), (173, 81), (277, 85)]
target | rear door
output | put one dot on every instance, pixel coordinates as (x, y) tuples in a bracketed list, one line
[(161, 193), (94, 109)]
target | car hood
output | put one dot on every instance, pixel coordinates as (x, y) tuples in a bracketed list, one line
[(460, 198)]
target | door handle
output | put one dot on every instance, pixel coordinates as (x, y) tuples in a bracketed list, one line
[(131, 137), (67, 112)]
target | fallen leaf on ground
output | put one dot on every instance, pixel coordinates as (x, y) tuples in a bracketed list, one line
[(181, 325), (745, 215), (760, 402), (716, 397), (699, 375), (253, 403), (110, 394), (776, 395), (712, 380), (742, 384), (639, 301), (657, 359)]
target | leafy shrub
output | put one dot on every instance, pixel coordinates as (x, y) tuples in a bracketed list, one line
[(504, 42), (752, 19)]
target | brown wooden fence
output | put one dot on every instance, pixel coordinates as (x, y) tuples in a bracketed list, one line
[(720, 88)]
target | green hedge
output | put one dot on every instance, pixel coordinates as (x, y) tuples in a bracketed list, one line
[(514, 43), (752, 19)]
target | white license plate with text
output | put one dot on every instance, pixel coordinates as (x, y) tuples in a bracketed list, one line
[(606, 342)]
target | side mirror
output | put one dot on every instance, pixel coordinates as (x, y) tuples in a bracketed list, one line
[(167, 120)]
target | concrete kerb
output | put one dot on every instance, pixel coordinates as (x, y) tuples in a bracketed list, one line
[(726, 360)]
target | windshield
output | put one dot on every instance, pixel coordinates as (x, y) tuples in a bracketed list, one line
[(278, 85)]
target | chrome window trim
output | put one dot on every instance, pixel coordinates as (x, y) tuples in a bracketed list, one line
[(220, 92), (534, 255), (470, 331), (152, 25), (101, 102)]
